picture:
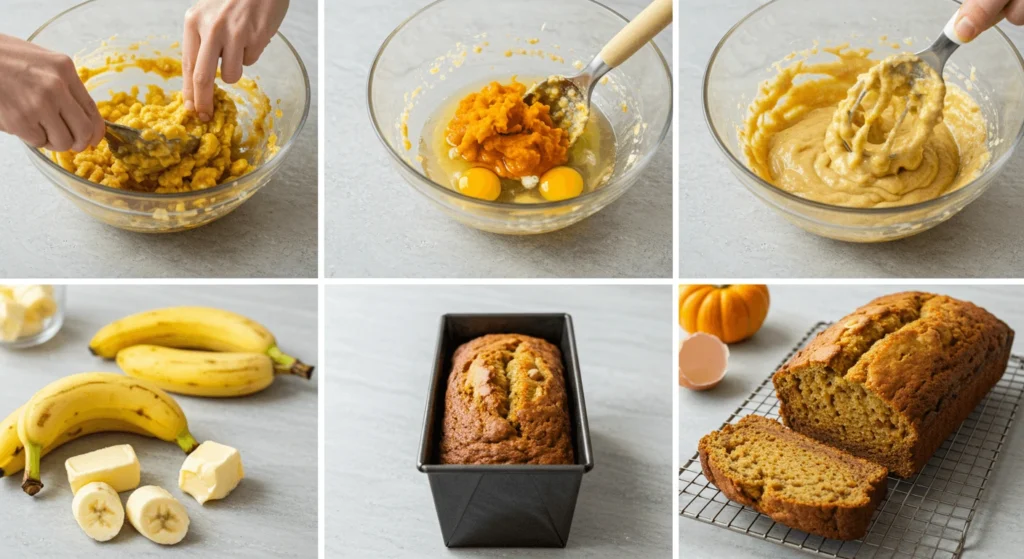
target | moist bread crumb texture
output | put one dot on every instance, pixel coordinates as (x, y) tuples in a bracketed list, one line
[(891, 381), (506, 404), (792, 478)]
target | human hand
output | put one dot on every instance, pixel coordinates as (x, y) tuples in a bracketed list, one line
[(233, 31), (42, 100), (976, 16)]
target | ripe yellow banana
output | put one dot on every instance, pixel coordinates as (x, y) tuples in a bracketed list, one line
[(191, 328), (71, 403), (12, 452), (202, 373)]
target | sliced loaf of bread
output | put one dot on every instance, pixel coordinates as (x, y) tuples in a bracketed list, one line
[(892, 380), (792, 478)]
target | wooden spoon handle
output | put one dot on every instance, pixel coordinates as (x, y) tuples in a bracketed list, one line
[(637, 33)]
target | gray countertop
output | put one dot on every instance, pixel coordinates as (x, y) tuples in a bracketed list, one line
[(382, 351), (272, 235), (725, 231), (377, 226), (997, 529), (273, 513)]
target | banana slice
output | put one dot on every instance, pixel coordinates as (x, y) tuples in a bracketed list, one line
[(158, 515), (98, 510)]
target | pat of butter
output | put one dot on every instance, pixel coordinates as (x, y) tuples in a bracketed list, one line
[(117, 466), (12, 317), (211, 472)]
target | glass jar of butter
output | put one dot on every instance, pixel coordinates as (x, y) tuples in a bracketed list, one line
[(30, 315)]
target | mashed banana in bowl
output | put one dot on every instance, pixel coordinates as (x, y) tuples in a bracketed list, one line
[(221, 156)]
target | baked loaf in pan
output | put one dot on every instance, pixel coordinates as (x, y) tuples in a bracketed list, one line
[(506, 404), (794, 479), (892, 380)]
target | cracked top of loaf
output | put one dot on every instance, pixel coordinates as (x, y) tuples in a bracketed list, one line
[(506, 403), (899, 345)]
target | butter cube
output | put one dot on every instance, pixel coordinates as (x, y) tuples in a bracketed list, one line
[(211, 472), (37, 299), (12, 316), (32, 325), (117, 466)]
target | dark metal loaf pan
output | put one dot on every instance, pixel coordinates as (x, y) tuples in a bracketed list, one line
[(495, 505)]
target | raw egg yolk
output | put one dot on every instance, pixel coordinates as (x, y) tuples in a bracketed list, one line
[(480, 183), (561, 183)]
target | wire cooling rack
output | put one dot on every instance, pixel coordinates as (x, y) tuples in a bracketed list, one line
[(923, 516)]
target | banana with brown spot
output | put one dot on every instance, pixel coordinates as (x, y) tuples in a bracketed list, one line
[(200, 328), (12, 452), (91, 399), (203, 373)]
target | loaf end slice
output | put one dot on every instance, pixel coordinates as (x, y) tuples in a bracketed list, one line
[(793, 478)]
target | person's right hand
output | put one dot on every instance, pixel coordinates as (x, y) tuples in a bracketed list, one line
[(976, 16), (42, 100)]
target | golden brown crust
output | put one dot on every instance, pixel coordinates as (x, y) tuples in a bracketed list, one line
[(929, 358), (506, 403), (832, 516)]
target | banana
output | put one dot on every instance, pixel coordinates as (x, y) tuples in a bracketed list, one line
[(12, 452), (203, 373), (98, 511), (156, 514), (191, 328), (67, 405)]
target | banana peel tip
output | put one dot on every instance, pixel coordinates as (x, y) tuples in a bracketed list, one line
[(32, 487)]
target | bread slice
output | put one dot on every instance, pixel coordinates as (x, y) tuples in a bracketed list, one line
[(792, 478)]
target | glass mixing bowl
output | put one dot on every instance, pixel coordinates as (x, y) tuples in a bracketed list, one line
[(451, 46), (780, 27), (91, 30)]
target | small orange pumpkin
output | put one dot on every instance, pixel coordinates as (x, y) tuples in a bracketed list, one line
[(731, 312)]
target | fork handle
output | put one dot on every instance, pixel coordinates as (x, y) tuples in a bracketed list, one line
[(950, 30), (637, 33)]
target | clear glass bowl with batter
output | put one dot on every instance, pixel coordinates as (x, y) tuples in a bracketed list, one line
[(403, 88), (81, 31), (742, 59)]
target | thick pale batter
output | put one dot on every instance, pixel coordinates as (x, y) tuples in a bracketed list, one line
[(221, 155), (799, 137)]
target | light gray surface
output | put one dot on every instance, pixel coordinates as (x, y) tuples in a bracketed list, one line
[(381, 357), (378, 226), (44, 235), (996, 531), (725, 231), (273, 513)]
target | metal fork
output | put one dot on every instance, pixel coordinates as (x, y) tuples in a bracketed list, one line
[(125, 141)]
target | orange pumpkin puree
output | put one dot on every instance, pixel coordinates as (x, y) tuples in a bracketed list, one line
[(496, 129)]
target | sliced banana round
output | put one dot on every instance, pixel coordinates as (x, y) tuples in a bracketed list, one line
[(156, 514), (98, 510)]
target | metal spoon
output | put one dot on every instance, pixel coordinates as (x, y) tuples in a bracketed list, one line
[(569, 97), (125, 141)]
